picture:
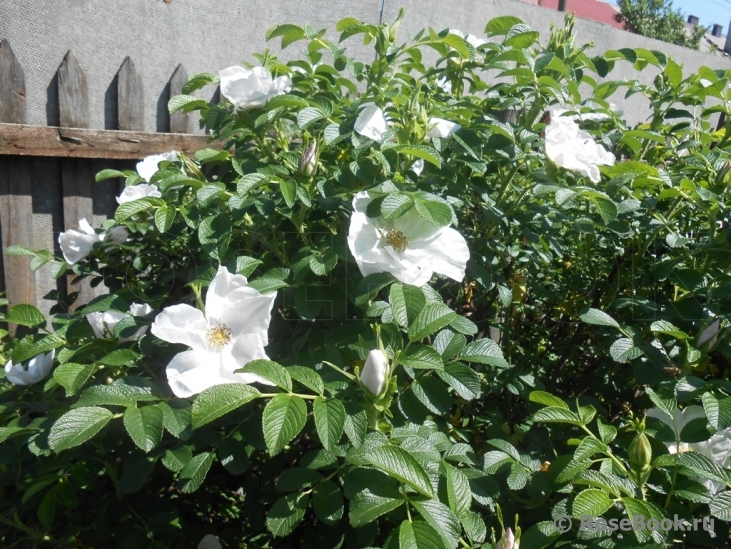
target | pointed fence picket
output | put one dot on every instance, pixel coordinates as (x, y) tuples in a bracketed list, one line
[(47, 173)]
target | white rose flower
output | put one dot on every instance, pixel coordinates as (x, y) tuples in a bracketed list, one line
[(104, 323), (209, 542), (470, 38), (375, 372), (117, 234), (38, 369), (438, 127), (410, 248), (371, 122), (444, 84), (251, 88), (76, 245), (571, 148), (718, 447), (135, 192), (231, 333), (149, 165), (709, 334), (507, 541)]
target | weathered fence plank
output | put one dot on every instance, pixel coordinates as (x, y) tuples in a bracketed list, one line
[(130, 97), (16, 204), (16, 139), (73, 100), (179, 122), (12, 86)]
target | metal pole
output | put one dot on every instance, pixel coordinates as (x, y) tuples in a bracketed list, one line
[(561, 5)]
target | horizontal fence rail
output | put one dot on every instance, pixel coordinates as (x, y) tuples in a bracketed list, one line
[(47, 174)]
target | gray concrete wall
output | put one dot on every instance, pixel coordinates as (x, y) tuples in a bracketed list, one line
[(209, 35)]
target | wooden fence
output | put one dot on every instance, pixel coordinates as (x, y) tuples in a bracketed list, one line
[(47, 173)]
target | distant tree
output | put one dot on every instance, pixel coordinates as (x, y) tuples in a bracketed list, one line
[(658, 19)]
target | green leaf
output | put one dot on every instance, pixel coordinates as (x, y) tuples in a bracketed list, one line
[(666, 401), (600, 318), (474, 526), (175, 459), (553, 414), (309, 115), (321, 264), (176, 417), (116, 394), (607, 208), (448, 344), (108, 174), (286, 514), (307, 377), (463, 379), (327, 501), (72, 376), (433, 317), (282, 420), (109, 302), (219, 400), (369, 504), (459, 494), (718, 410), (436, 213), (441, 519), (329, 420), (458, 43), (188, 102), (77, 426), (369, 286), (591, 502), (400, 465), (194, 472), (137, 469), (407, 302), (164, 217), (665, 327), (25, 315), (547, 399), (418, 535), (425, 152), (720, 506), (289, 191), (269, 370), (433, 394), (199, 80), (500, 26), (356, 425), (394, 205), (421, 357), (144, 426), (287, 100), (623, 350), (30, 346), (484, 351), (128, 209), (289, 33), (232, 455)]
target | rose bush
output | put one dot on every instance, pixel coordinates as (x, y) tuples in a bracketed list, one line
[(425, 301)]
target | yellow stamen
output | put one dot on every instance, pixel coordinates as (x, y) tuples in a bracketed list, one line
[(397, 240), (218, 336)]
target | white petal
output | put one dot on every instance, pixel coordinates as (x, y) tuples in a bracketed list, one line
[(117, 235), (149, 165), (135, 192), (209, 542), (76, 245), (140, 309), (181, 324), (448, 253), (251, 88), (16, 374), (246, 348), (438, 127), (192, 372), (40, 366), (371, 122), (375, 371), (103, 323)]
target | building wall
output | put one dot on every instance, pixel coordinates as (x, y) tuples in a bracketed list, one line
[(208, 35)]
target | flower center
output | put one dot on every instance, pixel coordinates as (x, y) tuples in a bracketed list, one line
[(218, 336), (397, 240)]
